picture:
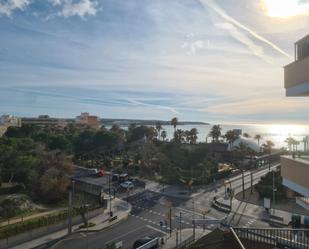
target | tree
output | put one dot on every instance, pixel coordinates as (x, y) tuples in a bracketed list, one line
[(231, 136), (174, 123), (179, 136), (290, 142), (59, 142), (306, 143), (258, 137), (193, 135), (267, 147), (215, 133), (246, 135), (159, 128), (163, 135)]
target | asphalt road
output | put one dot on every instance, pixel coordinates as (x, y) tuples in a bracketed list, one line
[(150, 209)]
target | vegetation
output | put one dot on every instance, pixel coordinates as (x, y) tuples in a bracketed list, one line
[(40, 158), (265, 186)]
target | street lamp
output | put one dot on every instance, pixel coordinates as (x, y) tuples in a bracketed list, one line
[(87, 224)]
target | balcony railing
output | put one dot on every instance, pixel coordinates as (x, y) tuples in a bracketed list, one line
[(257, 238)]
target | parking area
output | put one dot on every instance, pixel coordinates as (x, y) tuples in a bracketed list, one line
[(119, 184)]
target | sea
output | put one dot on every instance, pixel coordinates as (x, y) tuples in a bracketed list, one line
[(277, 133)]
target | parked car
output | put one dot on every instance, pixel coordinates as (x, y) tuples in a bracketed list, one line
[(101, 173), (127, 185)]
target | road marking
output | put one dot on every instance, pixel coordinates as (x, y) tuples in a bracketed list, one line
[(156, 229), (190, 211), (119, 237)]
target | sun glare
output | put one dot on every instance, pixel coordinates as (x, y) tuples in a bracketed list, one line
[(282, 129), (285, 8)]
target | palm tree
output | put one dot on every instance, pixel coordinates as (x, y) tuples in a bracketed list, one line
[(163, 135), (246, 135), (187, 135), (258, 137), (290, 142), (174, 122), (231, 137), (193, 135), (267, 147), (306, 143), (215, 133), (179, 136), (159, 128)]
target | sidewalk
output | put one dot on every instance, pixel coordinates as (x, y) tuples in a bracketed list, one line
[(186, 237), (120, 208), (37, 215), (257, 212)]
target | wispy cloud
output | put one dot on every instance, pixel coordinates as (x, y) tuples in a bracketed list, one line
[(9, 6), (259, 106), (211, 4)]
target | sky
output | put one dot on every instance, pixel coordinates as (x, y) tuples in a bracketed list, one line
[(218, 61)]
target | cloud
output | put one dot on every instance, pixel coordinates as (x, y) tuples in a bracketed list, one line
[(211, 5), (244, 39), (263, 106), (9, 6), (81, 8)]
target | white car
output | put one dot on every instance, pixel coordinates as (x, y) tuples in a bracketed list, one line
[(127, 185)]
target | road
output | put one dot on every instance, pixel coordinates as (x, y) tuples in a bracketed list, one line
[(149, 209)]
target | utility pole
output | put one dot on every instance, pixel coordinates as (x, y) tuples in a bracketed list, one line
[(243, 184), (87, 207), (204, 227), (193, 222), (251, 174), (170, 216), (70, 212), (110, 197), (71, 193), (180, 226), (273, 193)]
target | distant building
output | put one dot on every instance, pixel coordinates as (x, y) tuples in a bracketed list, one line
[(9, 120), (86, 119), (238, 132), (44, 120), (295, 170)]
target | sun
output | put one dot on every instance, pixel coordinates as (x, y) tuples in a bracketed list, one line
[(285, 8)]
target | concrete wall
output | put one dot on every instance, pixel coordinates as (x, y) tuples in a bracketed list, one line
[(295, 173), (296, 73), (39, 232)]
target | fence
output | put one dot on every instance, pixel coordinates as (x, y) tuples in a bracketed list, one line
[(278, 238), (185, 243)]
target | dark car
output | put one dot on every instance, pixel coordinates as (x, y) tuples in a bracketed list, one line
[(143, 241)]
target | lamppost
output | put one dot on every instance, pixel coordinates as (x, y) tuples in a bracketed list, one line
[(110, 197), (87, 225), (274, 191), (71, 193)]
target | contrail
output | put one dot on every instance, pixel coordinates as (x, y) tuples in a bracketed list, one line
[(220, 12)]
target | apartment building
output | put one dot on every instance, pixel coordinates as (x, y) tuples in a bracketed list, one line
[(9, 120), (295, 170), (296, 74), (44, 120), (88, 120)]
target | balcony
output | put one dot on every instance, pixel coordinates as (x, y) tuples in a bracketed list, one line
[(295, 172), (303, 201), (296, 78)]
